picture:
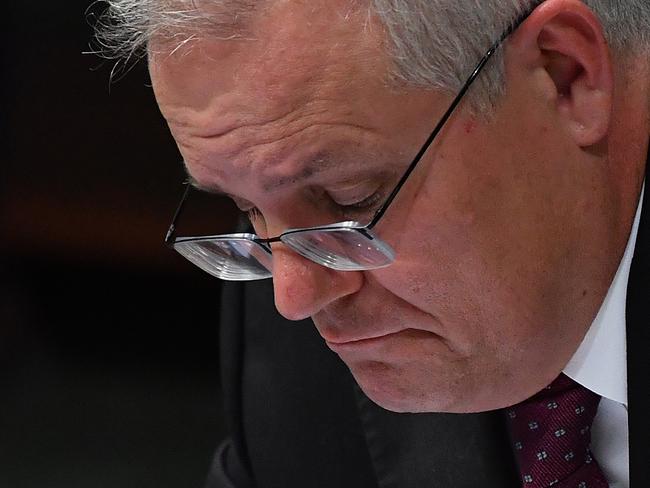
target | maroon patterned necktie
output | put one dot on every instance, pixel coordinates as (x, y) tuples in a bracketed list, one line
[(551, 433)]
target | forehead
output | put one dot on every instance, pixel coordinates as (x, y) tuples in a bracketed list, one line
[(292, 52), (308, 85)]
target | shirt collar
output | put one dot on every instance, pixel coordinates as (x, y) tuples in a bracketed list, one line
[(600, 363)]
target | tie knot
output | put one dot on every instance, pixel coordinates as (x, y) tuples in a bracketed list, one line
[(551, 434)]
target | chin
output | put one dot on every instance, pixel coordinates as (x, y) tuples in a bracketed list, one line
[(398, 391)]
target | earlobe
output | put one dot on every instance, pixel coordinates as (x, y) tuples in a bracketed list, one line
[(567, 47)]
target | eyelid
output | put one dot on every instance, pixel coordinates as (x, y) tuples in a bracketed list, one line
[(367, 203), (243, 205), (354, 194)]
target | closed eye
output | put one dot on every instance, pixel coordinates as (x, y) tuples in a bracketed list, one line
[(346, 211), (253, 214), (361, 207), (256, 219)]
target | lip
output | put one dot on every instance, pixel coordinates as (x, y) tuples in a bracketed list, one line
[(357, 344)]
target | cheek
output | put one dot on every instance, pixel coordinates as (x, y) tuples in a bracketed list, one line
[(434, 238), (446, 267)]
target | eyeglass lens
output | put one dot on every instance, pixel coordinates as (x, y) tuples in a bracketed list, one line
[(228, 259), (242, 259)]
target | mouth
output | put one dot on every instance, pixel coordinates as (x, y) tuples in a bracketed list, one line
[(373, 342)]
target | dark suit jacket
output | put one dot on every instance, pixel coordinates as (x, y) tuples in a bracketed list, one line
[(297, 418)]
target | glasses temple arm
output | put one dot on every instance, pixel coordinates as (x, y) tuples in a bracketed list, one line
[(452, 107), (179, 210), (432, 137)]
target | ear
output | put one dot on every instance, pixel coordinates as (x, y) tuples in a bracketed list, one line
[(563, 47)]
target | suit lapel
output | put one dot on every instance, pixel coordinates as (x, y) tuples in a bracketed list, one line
[(638, 352)]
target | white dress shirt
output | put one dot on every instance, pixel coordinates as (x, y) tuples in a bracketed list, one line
[(600, 364)]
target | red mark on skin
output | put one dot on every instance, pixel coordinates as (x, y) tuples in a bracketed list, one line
[(470, 125)]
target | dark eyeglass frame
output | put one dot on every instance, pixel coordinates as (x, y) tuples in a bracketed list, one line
[(365, 230)]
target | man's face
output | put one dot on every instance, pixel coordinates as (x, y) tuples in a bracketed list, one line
[(494, 282)]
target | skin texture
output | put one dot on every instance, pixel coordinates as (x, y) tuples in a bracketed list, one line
[(507, 235)]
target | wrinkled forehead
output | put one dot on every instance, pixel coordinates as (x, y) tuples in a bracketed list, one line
[(240, 107)]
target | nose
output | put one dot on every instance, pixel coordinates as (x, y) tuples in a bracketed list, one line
[(302, 288)]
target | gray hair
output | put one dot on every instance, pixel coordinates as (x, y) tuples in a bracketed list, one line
[(125, 27), (433, 43), (437, 43)]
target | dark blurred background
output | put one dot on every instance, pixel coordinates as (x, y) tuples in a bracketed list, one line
[(108, 340)]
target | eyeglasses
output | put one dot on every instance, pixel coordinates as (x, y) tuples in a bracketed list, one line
[(342, 246)]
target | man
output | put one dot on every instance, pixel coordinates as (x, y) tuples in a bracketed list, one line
[(466, 279)]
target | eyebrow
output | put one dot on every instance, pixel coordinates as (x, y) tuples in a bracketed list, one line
[(318, 163)]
